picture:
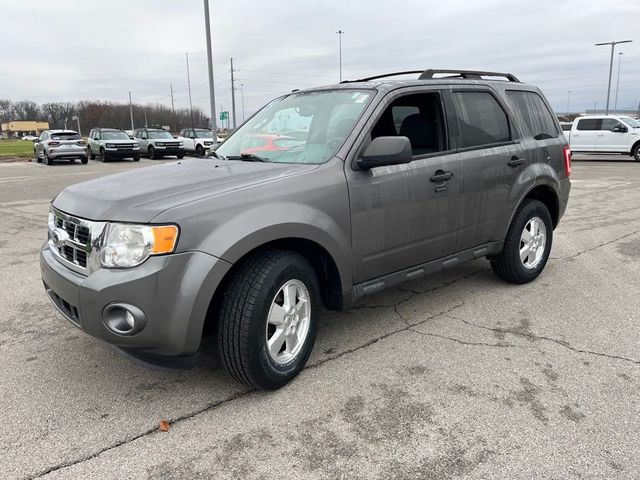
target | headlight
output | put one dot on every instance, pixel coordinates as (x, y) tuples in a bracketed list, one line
[(136, 145), (110, 145), (180, 144), (127, 245)]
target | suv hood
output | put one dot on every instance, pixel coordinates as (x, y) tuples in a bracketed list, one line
[(140, 195)]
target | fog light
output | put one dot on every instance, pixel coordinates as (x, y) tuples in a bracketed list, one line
[(123, 319)]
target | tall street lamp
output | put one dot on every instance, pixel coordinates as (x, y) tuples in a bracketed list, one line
[(615, 103), (568, 99), (613, 46), (340, 32)]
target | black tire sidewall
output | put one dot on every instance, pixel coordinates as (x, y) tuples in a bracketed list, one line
[(199, 150), (533, 208), (636, 152)]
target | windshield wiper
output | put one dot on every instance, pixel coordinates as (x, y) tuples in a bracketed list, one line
[(248, 157)]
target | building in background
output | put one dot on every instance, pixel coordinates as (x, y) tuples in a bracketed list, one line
[(21, 128)]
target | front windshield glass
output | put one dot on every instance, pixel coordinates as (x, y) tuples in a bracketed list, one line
[(157, 134), (631, 122), (304, 127), (114, 136), (204, 134)]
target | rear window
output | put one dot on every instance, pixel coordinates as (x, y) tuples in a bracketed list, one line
[(481, 119), (65, 136), (530, 107), (589, 124), (566, 127)]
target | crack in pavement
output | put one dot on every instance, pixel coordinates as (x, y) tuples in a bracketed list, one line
[(600, 245), (562, 343), (464, 342)]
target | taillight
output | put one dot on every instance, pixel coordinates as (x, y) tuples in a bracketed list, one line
[(566, 151), (54, 144), (81, 142)]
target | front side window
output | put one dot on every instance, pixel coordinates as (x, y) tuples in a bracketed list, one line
[(589, 124), (312, 124), (532, 110), (610, 124), (481, 119)]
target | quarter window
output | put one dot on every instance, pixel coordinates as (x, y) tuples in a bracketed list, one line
[(589, 124), (532, 110), (481, 119)]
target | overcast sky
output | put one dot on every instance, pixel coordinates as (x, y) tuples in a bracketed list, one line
[(71, 50)]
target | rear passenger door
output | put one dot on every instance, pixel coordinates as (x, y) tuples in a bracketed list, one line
[(585, 137), (491, 156)]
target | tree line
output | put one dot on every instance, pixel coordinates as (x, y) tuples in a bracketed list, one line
[(101, 114)]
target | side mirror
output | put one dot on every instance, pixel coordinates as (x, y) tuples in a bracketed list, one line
[(620, 129), (383, 151)]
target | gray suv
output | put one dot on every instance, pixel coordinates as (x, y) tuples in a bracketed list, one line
[(390, 180)]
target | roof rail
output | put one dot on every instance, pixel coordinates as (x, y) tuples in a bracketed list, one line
[(430, 74), (467, 74)]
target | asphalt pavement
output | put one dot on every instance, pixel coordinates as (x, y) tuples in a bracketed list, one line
[(456, 376)]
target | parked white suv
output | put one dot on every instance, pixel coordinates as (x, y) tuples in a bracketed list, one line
[(606, 134), (196, 140)]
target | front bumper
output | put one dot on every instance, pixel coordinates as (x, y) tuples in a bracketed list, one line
[(120, 153), (167, 151), (174, 292)]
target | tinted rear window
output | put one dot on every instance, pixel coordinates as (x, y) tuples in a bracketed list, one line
[(566, 127), (481, 119), (589, 124), (530, 107), (65, 136)]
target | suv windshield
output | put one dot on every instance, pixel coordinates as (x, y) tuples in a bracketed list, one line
[(204, 134), (304, 127), (159, 134), (114, 136), (631, 122)]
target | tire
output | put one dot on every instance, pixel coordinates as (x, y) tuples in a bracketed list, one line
[(48, 159), (152, 153), (84, 160), (38, 159), (636, 152), (103, 155), (136, 158), (508, 265), (92, 156), (199, 150), (180, 156), (255, 289)]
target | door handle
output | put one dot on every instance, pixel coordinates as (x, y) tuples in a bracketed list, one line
[(441, 176), (515, 162)]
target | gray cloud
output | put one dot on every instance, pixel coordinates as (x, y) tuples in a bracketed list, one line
[(74, 50)]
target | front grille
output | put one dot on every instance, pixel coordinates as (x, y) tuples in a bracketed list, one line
[(76, 249), (128, 146), (67, 309), (169, 144)]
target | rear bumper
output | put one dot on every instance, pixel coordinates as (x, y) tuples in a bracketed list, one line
[(62, 153), (563, 196), (173, 291)]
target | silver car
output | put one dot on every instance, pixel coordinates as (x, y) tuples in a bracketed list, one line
[(60, 145)]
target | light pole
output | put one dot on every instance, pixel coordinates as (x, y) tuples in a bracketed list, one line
[(615, 103), (242, 93), (568, 99), (131, 112), (212, 98), (613, 46), (340, 32), (189, 86)]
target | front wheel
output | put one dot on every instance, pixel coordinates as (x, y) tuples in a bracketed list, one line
[(527, 245), (84, 160), (636, 152), (103, 155), (136, 158), (268, 319), (199, 150), (152, 153)]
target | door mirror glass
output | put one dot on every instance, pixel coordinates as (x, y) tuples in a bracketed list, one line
[(620, 129), (383, 151)]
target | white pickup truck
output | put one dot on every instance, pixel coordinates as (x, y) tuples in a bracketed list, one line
[(197, 140), (605, 134)]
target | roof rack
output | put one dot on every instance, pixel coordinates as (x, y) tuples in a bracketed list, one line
[(430, 75)]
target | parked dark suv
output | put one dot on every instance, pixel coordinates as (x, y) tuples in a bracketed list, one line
[(392, 180)]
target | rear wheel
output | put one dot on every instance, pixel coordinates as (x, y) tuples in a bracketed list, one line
[(527, 245), (268, 319), (35, 154), (47, 158)]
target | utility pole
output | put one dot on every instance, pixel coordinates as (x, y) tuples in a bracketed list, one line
[(613, 46), (233, 97), (173, 108), (568, 100), (189, 85), (212, 97), (340, 32), (77, 119), (615, 104), (242, 92), (145, 120), (131, 112)]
